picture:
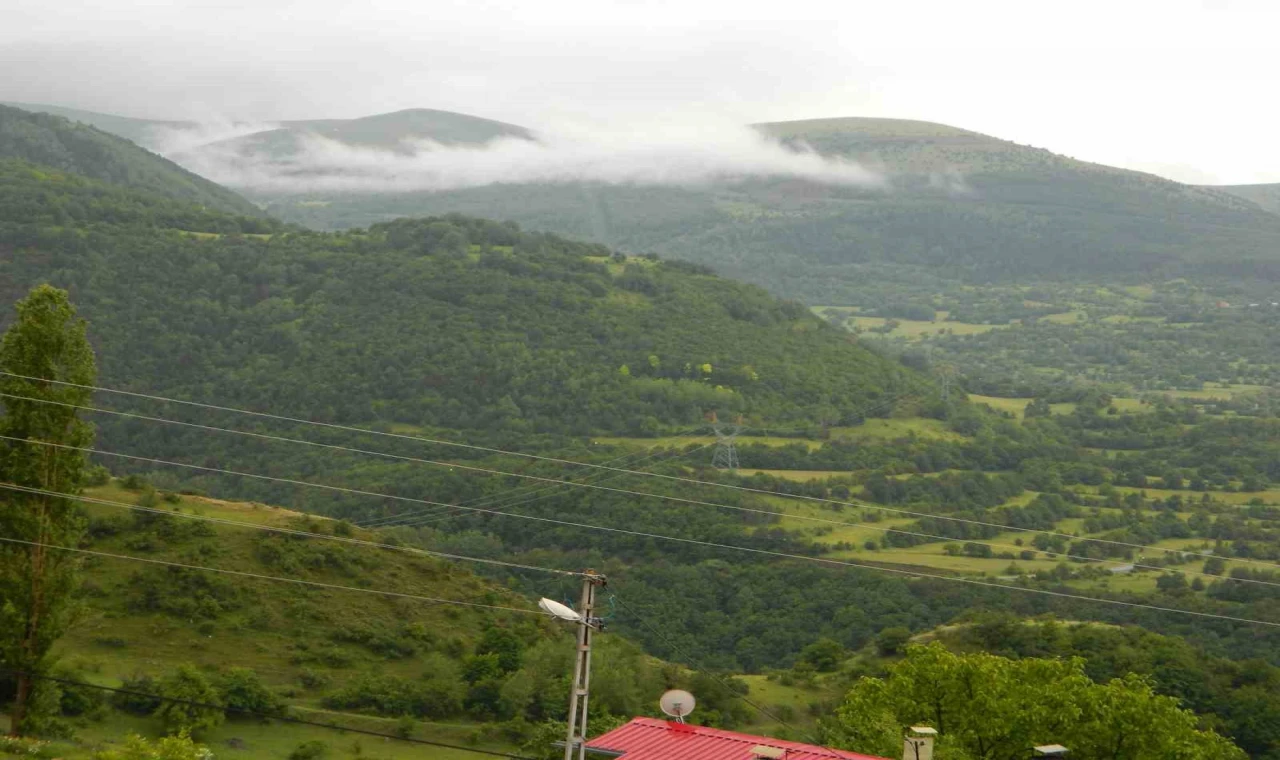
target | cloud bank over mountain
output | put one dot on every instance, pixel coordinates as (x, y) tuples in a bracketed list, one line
[(651, 156)]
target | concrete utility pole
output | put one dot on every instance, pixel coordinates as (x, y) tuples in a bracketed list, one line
[(587, 624)]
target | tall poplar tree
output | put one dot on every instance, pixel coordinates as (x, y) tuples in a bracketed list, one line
[(48, 342)]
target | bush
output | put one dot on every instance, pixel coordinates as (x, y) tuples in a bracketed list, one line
[(436, 697), (244, 693), (178, 747)]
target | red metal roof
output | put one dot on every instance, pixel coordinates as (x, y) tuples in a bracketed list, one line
[(653, 739)]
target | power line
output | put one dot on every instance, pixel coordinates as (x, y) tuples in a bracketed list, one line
[(712, 544), (286, 531), (410, 519), (359, 492), (713, 504), (694, 481), (297, 420), (257, 576), (268, 716), (514, 499)]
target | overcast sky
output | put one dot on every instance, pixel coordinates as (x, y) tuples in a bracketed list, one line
[(1183, 88)]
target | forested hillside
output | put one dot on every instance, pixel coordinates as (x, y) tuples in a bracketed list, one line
[(456, 323), (59, 143)]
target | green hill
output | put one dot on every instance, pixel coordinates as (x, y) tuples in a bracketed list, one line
[(59, 143), (451, 322), (957, 205)]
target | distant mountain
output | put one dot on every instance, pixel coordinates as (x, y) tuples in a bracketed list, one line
[(1266, 196), (959, 205), (59, 143), (140, 131)]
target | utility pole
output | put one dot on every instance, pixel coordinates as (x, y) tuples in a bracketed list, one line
[(587, 623)]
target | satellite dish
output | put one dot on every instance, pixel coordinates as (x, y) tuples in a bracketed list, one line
[(559, 610), (678, 703)]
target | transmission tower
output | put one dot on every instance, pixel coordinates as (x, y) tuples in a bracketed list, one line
[(946, 376), (726, 453)]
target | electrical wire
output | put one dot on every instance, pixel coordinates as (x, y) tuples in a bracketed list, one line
[(257, 576), (712, 544), (629, 492), (345, 428), (283, 530), (1082, 558), (1079, 557), (257, 714)]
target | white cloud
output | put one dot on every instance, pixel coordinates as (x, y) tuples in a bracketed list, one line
[(664, 156)]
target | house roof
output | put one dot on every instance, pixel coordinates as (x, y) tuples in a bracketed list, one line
[(653, 739)]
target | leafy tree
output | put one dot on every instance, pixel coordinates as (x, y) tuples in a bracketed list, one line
[(47, 341), (189, 702), (824, 655), (891, 640), (992, 708)]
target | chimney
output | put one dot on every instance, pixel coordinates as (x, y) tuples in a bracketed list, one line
[(1049, 750), (918, 743), (765, 752)]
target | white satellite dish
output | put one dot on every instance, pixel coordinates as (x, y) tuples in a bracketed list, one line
[(559, 610), (678, 703)]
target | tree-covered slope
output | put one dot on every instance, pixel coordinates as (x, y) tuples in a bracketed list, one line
[(453, 322), (59, 143), (956, 203), (140, 131)]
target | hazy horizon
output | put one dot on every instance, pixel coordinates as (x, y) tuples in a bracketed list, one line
[(1174, 88)]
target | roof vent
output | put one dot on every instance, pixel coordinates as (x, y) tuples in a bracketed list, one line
[(918, 743), (765, 752)]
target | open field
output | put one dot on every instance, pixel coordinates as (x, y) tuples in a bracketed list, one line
[(802, 476), (879, 429), (1017, 406), (915, 329)]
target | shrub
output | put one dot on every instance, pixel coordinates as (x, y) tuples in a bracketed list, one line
[(178, 747), (244, 693)]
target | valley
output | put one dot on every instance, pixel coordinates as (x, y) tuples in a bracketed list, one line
[(419, 422)]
